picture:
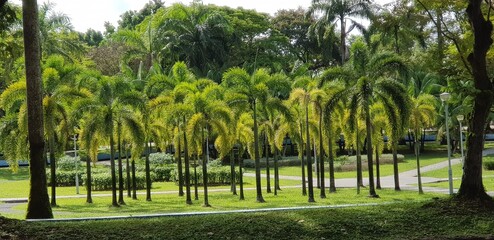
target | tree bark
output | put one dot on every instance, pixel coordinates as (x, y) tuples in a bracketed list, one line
[(187, 167), (114, 202), (259, 197), (396, 174), (321, 158), (53, 167), (472, 187), (89, 198), (38, 205), (205, 170), (370, 164), (179, 166), (309, 160), (120, 166), (148, 171)]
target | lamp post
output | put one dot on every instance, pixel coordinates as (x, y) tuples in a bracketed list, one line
[(460, 119), (76, 165), (444, 98)]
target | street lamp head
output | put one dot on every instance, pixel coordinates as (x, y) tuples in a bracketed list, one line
[(445, 96), (460, 117)]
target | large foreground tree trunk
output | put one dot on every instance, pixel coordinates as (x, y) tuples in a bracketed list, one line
[(38, 205), (471, 184)]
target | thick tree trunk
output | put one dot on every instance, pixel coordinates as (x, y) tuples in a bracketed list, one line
[(259, 197), (471, 185), (38, 205)]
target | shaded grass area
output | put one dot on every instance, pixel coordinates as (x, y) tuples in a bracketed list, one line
[(417, 220), (220, 201)]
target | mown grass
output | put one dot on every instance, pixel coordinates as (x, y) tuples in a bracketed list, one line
[(404, 220)]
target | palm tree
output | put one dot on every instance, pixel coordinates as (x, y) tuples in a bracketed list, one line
[(422, 114), (374, 85), (108, 105), (38, 205), (209, 114), (253, 90), (342, 11)]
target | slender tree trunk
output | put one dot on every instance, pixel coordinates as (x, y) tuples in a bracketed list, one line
[(419, 176), (88, 183), (259, 197), (472, 187), (370, 164), (127, 170), (301, 154), (309, 160), (205, 170), (148, 172), (332, 185), (316, 163), (134, 182), (196, 184), (180, 174), (53, 167), (112, 169), (378, 171), (321, 159), (232, 169), (187, 166), (359, 161), (268, 178), (241, 174), (422, 142), (396, 174), (342, 39), (276, 172), (120, 167)]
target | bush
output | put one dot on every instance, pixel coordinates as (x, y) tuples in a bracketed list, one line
[(102, 181), (160, 159), (489, 165), (216, 175), (68, 163), (282, 162), (163, 173), (65, 178)]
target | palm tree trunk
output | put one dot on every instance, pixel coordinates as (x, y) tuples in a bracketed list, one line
[(342, 39), (259, 197), (370, 164), (316, 163), (204, 170), (112, 170), (38, 205), (120, 167), (241, 175), (179, 166), (419, 176), (127, 170), (53, 167), (332, 185), (268, 179), (378, 171), (148, 172), (232, 173), (301, 154), (359, 159), (321, 159), (309, 160), (276, 172), (134, 181), (196, 184), (88, 183), (187, 166), (396, 173)]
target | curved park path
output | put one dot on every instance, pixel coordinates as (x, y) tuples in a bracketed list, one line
[(408, 181)]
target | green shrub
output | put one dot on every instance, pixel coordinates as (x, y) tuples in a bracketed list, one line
[(283, 162), (65, 178), (68, 163), (163, 173), (216, 175), (160, 159), (489, 165), (102, 181)]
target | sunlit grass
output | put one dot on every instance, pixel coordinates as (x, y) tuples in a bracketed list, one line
[(220, 201)]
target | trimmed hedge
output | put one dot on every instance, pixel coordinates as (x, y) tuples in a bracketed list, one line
[(489, 165), (216, 175), (102, 181), (287, 161)]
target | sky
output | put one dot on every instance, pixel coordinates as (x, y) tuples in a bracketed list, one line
[(93, 13)]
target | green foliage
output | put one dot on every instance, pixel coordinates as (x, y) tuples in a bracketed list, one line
[(160, 159), (489, 165), (217, 175), (68, 163)]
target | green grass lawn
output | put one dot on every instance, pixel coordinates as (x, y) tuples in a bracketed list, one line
[(220, 200), (403, 220)]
